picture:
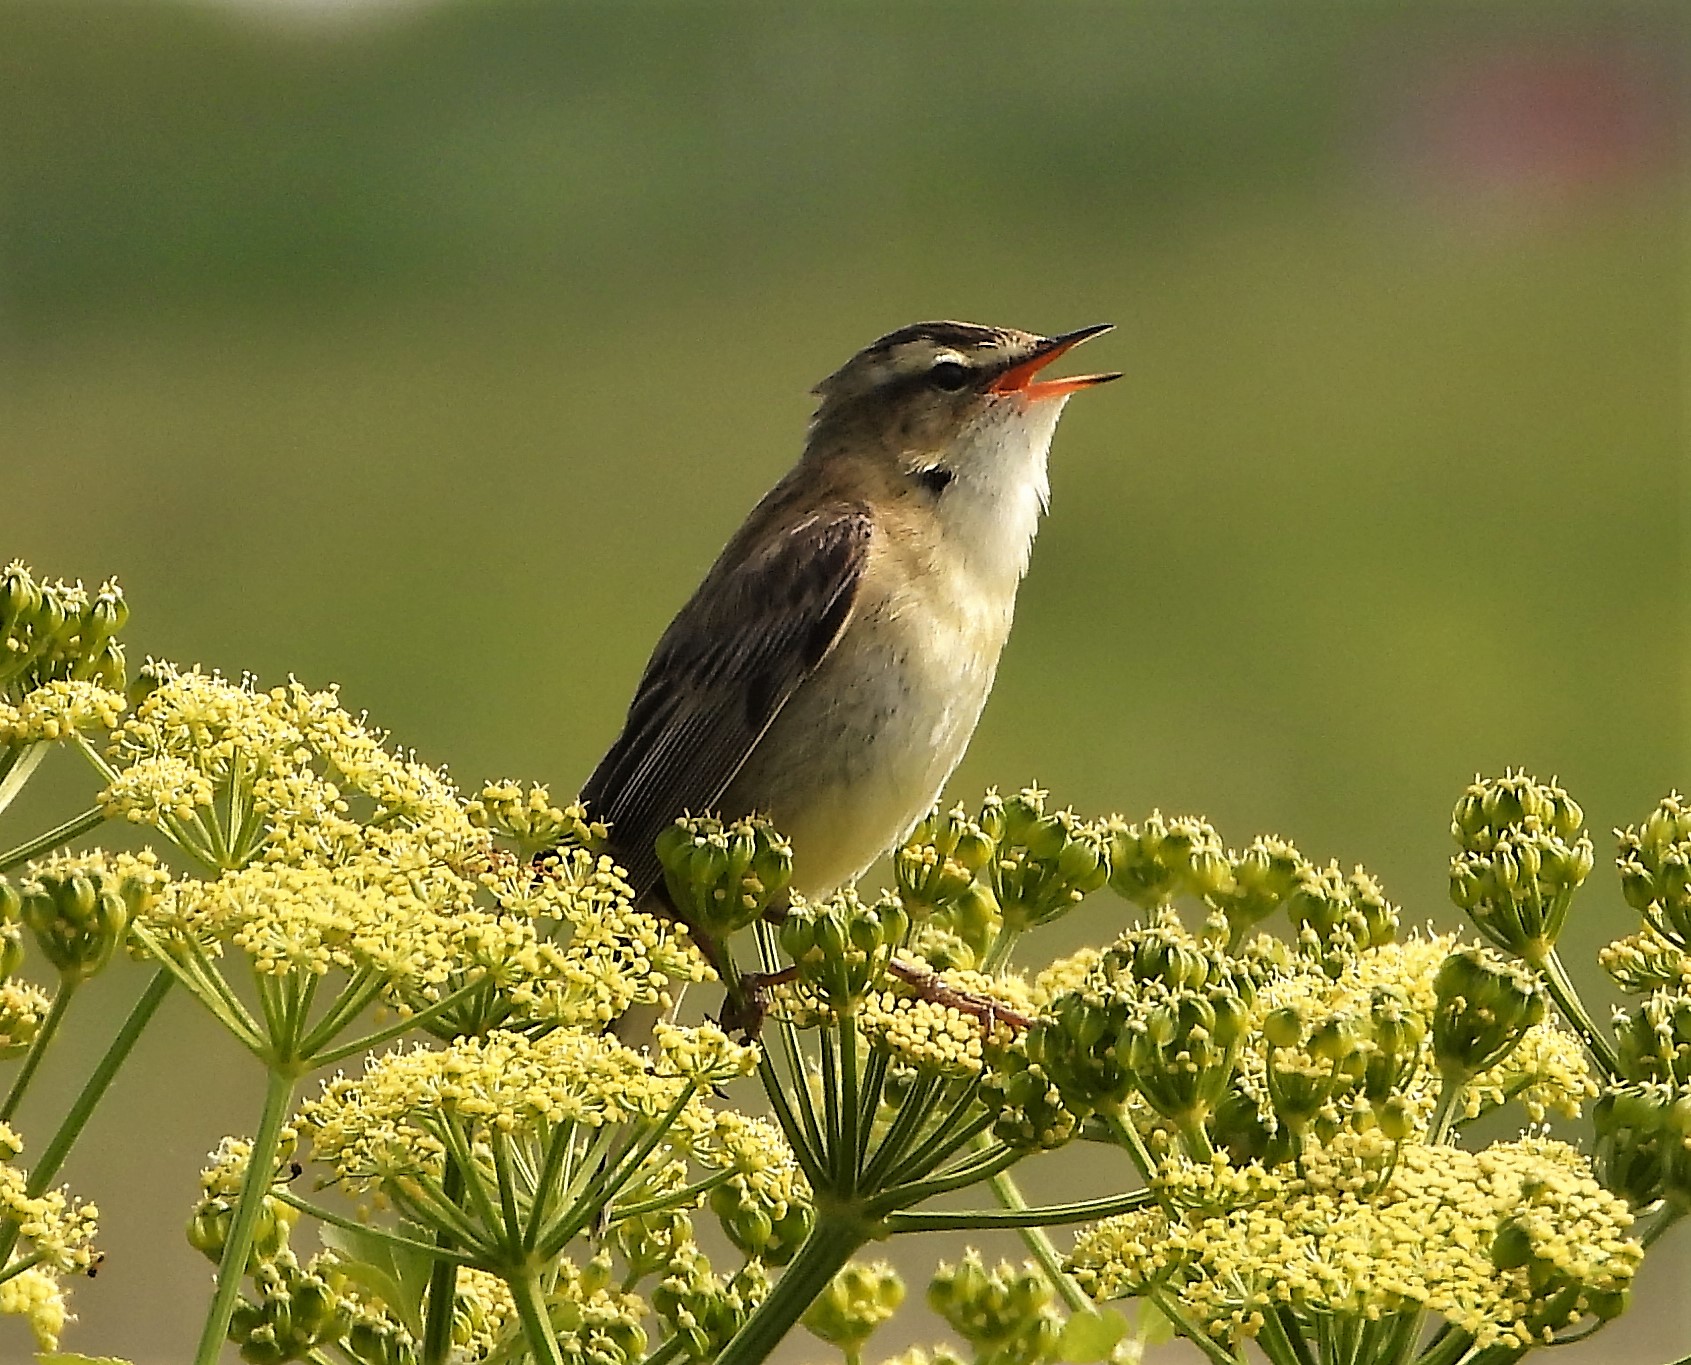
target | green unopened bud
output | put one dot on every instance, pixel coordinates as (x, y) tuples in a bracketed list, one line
[(11, 928), (1153, 862), (857, 1301), (1046, 864), (291, 1312), (1522, 857), (1283, 1027), (19, 598), (1028, 1108), (1486, 1003), (1081, 1045), (1655, 867), (1183, 1046), (1005, 1315), (1654, 1042), (1257, 884), (1396, 1119), (841, 946), (1338, 917), (939, 860), (209, 1225), (723, 877), (78, 923), (107, 614)]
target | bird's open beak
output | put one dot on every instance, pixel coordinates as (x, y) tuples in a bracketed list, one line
[(1019, 378)]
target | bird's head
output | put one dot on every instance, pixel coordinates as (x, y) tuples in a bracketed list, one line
[(941, 398), (952, 417)]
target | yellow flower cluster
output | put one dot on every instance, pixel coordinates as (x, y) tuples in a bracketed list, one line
[(37, 1297), (946, 1030), (385, 1125), (57, 709), (764, 1171), (1333, 1239), (57, 1233), (1547, 1072), (332, 852), (22, 1008), (291, 762)]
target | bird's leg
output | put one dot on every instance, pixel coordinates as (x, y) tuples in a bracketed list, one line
[(929, 986), (746, 1013)]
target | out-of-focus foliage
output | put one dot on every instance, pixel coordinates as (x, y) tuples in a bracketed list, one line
[(436, 349)]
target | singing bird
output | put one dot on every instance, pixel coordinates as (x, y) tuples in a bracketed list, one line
[(831, 667)]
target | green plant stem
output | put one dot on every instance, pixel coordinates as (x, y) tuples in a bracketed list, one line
[(1444, 1112), (16, 766), (1005, 1190), (672, 1349), (443, 1285), (72, 828), (53, 1155), (537, 1325), (255, 1185), (1043, 1216), (969, 1172), (799, 1139), (1669, 1214), (834, 1240), (998, 952), (1170, 1308), (681, 1199), (1276, 1341), (201, 980), (850, 1157), (38, 1048), (340, 1220), (1561, 988), (1294, 1336)]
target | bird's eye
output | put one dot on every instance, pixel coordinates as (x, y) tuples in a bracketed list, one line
[(949, 375)]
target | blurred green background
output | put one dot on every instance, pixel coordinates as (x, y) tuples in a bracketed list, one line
[(435, 349)]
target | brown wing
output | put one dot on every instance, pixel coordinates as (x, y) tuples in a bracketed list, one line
[(754, 631)]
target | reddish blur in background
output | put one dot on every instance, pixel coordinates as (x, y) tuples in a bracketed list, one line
[(435, 348)]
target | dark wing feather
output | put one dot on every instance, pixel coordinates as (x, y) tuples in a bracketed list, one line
[(755, 630)]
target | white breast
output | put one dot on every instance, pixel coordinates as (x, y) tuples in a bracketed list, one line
[(863, 748)]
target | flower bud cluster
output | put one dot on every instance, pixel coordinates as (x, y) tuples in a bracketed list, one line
[(1264, 876), (1321, 1067), (1486, 1004), (1154, 862), (857, 1300), (54, 1238), (703, 1310), (1655, 867), (79, 906), (292, 1310), (1645, 961), (1006, 1314), (56, 632), (764, 1206), (1044, 864), (1644, 1142), (529, 819), (1029, 1110), (722, 877), (1523, 855), (11, 927), (1336, 917), (1654, 1041), (940, 860), (841, 946), (220, 1188)]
